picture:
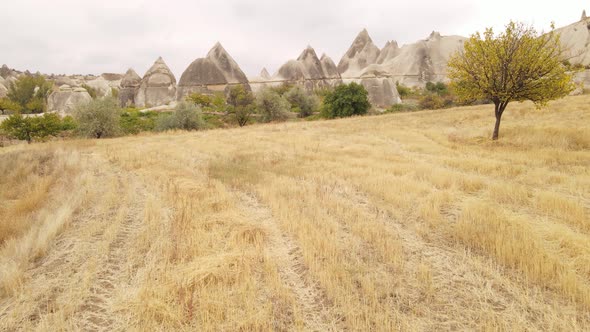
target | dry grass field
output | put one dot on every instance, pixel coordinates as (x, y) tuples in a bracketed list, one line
[(409, 222)]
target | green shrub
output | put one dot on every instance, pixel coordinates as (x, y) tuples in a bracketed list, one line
[(99, 118), (438, 88), (9, 105), (32, 128), (301, 101), (134, 122), (30, 93), (403, 90), (199, 99), (271, 106), (186, 116), (346, 100), (240, 104), (395, 108)]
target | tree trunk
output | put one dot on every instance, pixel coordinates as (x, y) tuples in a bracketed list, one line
[(497, 127), (499, 109)]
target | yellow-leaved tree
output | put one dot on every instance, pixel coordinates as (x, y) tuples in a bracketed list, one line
[(517, 65)]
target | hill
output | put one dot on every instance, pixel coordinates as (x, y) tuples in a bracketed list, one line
[(397, 222)]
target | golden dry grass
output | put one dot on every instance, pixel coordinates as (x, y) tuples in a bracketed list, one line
[(410, 222)]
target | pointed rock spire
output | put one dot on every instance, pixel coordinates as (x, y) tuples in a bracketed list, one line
[(584, 17), (265, 74), (361, 53)]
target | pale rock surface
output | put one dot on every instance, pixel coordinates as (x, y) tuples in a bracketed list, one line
[(214, 73), (418, 63), (576, 37), (129, 85), (264, 74), (158, 86), (361, 53), (66, 99), (101, 85), (309, 71), (389, 51)]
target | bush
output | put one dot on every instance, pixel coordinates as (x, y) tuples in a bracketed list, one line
[(396, 108), (199, 99), (431, 102), (240, 104), (133, 121), (186, 116), (30, 93), (99, 118), (271, 106), (8, 105), (438, 88), (301, 101), (403, 90), (33, 128), (346, 100)]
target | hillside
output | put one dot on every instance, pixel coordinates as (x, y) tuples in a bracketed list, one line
[(413, 222)]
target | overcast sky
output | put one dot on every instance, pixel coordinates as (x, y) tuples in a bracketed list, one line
[(67, 36)]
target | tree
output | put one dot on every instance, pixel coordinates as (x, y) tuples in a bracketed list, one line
[(186, 116), (303, 101), (199, 99), (30, 92), (516, 65), (240, 104), (29, 128), (346, 100), (271, 106), (8, 105), (98, 118)]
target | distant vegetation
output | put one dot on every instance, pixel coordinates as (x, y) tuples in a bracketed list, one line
[(30, 93), (36, 128)]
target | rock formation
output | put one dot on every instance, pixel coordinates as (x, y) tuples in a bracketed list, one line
[(329, 68), (309, 71), (129, 85), (66, 99), (418, 63), (211, 74), (389, 51), (264, 74), (584, 17), (158, 86), (3, 87), (361, 53), (576, 38)]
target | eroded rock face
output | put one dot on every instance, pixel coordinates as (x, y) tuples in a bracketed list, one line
[(389, 51), (66, 99), (418, 63), (382, 90), (211, 74), (576, 38), (264, 74), (3, 87), (309, 71), (361, 53), (158, 86), (129, 85)]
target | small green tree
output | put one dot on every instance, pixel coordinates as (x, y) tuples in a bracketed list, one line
[(346, 100), (8, 105), (517, 65), (186, 116), (240, 104), (30, 128), (271, 106), (98, 118), (30, 92), (199, 99), (306, 103)]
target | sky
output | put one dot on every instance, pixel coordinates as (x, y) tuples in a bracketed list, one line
[(93, 37)]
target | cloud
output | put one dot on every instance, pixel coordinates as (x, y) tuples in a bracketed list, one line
[(64, 36)]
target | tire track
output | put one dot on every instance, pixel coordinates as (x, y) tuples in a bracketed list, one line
[(311, 299)]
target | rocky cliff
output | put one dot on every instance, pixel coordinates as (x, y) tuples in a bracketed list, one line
[(158, 86)]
